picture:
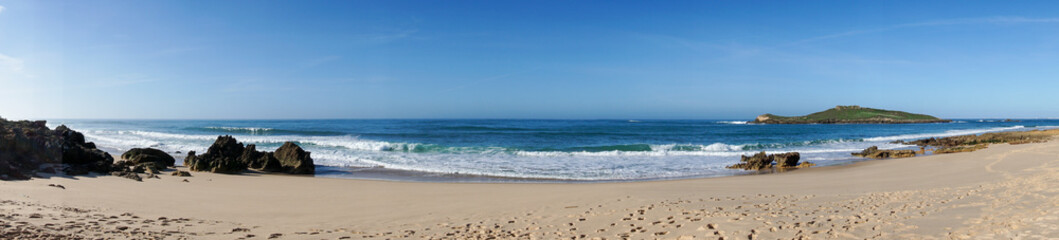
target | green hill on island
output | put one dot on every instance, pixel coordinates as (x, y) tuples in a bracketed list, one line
[(851, 114)]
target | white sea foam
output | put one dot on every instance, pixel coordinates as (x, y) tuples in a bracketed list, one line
[(660, 161), (733, 122), (248, 129)]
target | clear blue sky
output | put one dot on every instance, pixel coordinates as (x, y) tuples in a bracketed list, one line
[(530, 59)]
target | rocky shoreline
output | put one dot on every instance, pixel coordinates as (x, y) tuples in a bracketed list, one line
[(29, 149), (954, 144), (219, 205)]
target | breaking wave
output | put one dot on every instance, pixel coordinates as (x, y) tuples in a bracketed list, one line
[(632, 161)]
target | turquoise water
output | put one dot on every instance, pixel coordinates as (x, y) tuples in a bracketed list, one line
[(506, 150)]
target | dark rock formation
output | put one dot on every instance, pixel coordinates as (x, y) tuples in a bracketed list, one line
[(260, 160), (127, 174), (27, 147), (874, 152), (786, 160), (130, 170), (181, 173), (158, 158), (227, 155), (221, 157), (294, 159), (761, 161), (756, 162)]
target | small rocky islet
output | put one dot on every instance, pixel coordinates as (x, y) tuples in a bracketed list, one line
[(851, 115), (30, 148)]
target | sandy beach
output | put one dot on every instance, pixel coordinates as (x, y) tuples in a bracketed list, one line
[(1003, 192), (543, 120)]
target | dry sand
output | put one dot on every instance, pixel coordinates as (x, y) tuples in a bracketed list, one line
[(1003, 192)]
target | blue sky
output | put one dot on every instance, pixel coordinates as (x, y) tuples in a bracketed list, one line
[(532, 59)]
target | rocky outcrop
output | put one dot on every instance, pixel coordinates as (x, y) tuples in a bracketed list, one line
[(763, 118), (149, 156), (874, 152), (762, 161), (786, 160), (29, 147), (127, 174), (181, 173), (294, 160), (221, 157), (970, 143), (227, 155), (986, 138), (260, 160)]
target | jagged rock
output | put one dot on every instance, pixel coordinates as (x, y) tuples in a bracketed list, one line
[(126, 174), (785, 160), (294, 159), (27, 145), (146, 155), (805, 165), (221, 157), (874, 152), (264, 161), (151, 167), (189, 159), (227, 155), (181, 173), (762, 161), (756, 162), (138, 169)]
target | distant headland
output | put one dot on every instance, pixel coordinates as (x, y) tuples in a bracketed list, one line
[(851, 114)]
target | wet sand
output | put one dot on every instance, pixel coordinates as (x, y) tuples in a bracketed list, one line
[(1005, 191)]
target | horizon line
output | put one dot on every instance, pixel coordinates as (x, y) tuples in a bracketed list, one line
[(554, 119)]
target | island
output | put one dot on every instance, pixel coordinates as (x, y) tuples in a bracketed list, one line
[(849, 115)]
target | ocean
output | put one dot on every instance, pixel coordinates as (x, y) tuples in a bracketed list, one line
[(529, 150)]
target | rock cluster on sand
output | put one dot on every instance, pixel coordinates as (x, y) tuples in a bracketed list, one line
[(149, 156), (227, 155), (761, 161), (142, 160), (29, 147), (181, 173), (874, 152)]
